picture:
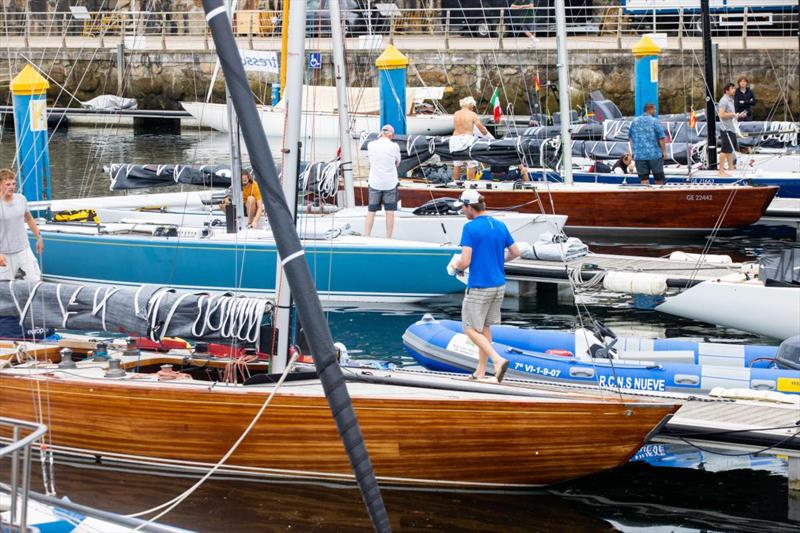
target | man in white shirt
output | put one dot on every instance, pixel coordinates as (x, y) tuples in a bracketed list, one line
[(16, 258), (384, 157), (727, 116)]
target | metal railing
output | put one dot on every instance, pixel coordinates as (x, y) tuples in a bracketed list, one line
[(490, 22), (20, 452)]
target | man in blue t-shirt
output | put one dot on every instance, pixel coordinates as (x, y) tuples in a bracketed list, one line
[(486, 245), (649, 145)]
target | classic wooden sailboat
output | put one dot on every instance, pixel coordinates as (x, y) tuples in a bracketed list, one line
[(590, 207), (420, 430)]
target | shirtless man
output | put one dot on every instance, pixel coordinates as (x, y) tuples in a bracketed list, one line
[(464, 121)]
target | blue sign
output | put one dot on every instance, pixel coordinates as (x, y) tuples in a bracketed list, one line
[(314, 60)]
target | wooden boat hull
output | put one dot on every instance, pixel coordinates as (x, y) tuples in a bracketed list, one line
[(678, 209), (502, 442)]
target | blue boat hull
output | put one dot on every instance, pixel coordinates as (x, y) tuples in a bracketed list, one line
[(341, 273), (442, 346), (789, 186)]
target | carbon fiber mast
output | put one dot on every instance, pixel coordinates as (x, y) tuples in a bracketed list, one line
[(711, 109), (309, 308)]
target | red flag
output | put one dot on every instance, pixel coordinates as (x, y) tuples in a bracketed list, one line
[(692, 119), (536, 83)]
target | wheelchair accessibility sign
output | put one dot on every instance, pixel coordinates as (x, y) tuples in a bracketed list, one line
[(314, 60)]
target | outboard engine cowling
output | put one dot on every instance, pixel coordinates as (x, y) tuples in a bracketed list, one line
[(788, 356)]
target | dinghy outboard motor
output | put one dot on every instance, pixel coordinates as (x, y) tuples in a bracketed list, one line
[(788, 357), (438, 206), (609, 341)]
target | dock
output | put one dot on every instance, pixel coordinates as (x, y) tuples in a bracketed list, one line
[(139, 119)]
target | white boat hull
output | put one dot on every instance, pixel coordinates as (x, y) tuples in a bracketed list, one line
[(748, 306), (317, 124), (408, 227)]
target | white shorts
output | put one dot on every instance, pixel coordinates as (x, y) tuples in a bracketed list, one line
[(23, 261)]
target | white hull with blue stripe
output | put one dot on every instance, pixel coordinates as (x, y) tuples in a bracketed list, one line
[(641, 364)]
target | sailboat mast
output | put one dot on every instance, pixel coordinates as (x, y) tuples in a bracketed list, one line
[(563, 90), (293, 97), (711, 111), (236, 151), (298, 273), (340, 70)]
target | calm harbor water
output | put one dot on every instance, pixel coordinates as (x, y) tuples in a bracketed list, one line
[(670, 488)]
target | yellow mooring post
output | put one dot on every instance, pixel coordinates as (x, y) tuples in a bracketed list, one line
[(29, 90)]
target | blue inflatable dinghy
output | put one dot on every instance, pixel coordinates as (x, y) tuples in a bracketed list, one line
[(578, 357)]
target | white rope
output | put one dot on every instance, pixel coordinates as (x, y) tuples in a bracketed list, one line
[(170, 505)]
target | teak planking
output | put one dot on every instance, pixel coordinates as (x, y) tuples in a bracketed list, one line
[(417, 441), (623, 208)]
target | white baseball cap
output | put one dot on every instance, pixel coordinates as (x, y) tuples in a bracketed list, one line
[(469, 197)]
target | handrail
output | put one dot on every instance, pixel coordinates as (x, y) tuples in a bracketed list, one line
[(37, 431), (20, 467), (487, 22)]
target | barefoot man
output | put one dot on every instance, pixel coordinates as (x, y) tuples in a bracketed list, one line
[(486, 245), (464, 120)]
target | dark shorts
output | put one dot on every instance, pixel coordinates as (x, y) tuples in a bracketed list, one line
[(645, 166), (388, 199), (729, 142)]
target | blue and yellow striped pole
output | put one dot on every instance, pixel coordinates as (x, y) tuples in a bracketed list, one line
[(29, 89), (392, 66), (646, 52)]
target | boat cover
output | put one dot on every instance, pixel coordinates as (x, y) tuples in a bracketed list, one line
[(764, 134), (612, 150), (781, 269), (417, 149), (580, 132), (125, 176), (149, 310)]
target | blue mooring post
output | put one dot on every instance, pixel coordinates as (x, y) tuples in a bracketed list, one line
[(30, 126), (392, 66), (646, 52)]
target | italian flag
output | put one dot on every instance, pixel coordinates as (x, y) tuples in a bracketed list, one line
[(495, 101)]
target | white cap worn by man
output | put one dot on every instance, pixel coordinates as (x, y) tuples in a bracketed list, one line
[(384, 158)]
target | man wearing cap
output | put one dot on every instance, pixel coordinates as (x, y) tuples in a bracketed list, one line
[(384, 157), (465, 120), (486, 245)]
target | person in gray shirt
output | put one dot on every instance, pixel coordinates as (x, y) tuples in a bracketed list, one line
[(16, 257), (727, 115)]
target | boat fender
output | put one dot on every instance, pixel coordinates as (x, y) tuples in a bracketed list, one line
[(635, 283), (562, 353), (695, 258)]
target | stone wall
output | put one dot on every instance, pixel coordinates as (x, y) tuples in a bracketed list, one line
[(159, 80)]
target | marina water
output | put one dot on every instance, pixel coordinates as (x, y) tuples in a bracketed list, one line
[(666, 487)]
